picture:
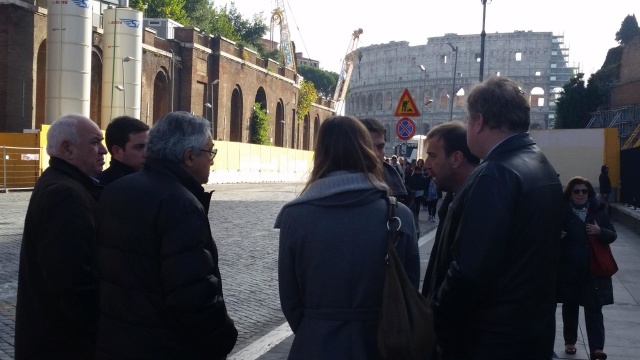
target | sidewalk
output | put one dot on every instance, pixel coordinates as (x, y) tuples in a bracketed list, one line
[(622, 319)]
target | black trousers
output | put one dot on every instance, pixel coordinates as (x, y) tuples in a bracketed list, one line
[(593, 320)]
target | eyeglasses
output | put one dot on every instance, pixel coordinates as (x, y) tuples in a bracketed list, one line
[(578, 191), (212, 153)]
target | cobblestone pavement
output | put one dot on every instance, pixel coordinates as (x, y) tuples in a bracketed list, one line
[(242, 218)]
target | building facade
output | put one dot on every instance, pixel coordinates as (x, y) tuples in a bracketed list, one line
[(538, 61), (207, 76)]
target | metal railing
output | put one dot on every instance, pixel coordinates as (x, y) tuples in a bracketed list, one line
[(20, 167)]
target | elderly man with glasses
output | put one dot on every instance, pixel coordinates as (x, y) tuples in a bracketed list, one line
[(160, 285)]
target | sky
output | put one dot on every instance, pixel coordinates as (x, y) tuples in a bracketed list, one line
[(322, 30)]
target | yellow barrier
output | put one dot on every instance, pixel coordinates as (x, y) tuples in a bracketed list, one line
[(235, 162)]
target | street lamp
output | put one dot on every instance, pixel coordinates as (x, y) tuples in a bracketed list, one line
[(210, 105), (453, 89), (424, 90), (124, 93), (483, 35)]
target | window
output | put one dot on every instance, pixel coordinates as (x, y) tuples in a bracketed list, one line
[(538, 73), (553, 66), (477, 55), (553, 78), (554, 52), (518, 56), (552, 116), (443, 59), (497, 73)]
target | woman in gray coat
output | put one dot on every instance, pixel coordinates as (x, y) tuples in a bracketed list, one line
[(333, 241)]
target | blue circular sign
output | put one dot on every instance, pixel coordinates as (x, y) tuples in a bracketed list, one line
[(405, 128)]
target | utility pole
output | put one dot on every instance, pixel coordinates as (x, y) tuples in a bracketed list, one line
[(483, 35)]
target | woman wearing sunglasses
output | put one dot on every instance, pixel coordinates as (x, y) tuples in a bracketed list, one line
[(577, 286)]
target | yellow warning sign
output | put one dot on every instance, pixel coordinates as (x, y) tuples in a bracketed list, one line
[(406, 105)]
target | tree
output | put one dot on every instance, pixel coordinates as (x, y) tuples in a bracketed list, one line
[(172, 9), (324, 81), (306, 96), (628, 30), (576, 102), (259, 132)]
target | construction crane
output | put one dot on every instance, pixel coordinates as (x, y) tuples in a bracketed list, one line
[(278, 16), (345, 71)]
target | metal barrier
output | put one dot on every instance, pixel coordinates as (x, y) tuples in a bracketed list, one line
[(20, 167), (630, 177)]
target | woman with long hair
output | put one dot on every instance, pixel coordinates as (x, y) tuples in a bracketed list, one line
[(333, 244), (577, 285)]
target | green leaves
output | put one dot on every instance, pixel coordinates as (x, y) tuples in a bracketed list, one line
[(628, 30), (576, 102), (324, 81), (259, 126), (306, 96)]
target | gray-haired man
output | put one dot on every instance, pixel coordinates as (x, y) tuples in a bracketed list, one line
[(160, 285)]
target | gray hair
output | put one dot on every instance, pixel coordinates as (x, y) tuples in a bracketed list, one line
[(63, 129), (174, 133)]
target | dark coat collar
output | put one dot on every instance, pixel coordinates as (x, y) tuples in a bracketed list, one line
[(73, 172), (512, 143), (176, 171)]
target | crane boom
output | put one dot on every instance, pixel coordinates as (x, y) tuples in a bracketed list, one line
[(280, 17), (347, 68)]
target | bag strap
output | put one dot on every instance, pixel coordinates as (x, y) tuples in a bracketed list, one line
[(393, 222)]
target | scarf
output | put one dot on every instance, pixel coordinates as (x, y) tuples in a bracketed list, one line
[(580, 211)]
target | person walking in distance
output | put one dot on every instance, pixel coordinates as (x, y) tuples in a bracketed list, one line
[(496, 264), (57, 305), (577, 284)]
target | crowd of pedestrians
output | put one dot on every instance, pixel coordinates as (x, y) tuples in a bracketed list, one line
[(122, 263)]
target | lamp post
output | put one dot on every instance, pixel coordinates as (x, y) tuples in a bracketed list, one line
[(124, 92), (483, 35), (424, 91), (453, 90), (210, 105)]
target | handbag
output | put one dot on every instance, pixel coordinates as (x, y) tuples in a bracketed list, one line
[(405, 329), (601, 261)]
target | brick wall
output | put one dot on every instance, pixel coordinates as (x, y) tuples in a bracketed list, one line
[(627, 91)]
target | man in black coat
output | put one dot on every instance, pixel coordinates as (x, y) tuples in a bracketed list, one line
[(57, 305), (495, 270), (450, 162), (126, 138), (160, 286)]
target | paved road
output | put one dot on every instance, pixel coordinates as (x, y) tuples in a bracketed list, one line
[(242, 217)]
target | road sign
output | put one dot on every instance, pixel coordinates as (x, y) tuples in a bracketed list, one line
[(405, 128), (406, 106)]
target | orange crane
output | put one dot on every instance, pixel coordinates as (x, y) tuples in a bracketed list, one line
[(345, 72)]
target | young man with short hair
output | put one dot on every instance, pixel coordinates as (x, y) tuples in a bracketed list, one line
[(126, 138)]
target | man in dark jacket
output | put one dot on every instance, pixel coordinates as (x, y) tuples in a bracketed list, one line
[(126, 138), (605, 185), (160, 286), (450, 162), (495, 270), (57, 305)]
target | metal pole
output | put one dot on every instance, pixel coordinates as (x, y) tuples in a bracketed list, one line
[(4, 168), (124, 91), (453, 89), (483, 35)]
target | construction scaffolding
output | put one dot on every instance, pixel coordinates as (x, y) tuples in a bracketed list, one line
[(626, 119)]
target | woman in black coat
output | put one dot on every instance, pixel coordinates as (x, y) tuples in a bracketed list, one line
[(577, 285)]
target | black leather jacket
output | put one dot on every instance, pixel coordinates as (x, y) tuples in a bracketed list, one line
[(496, 264)]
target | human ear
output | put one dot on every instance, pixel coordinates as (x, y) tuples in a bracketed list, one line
[(117, 152), (187, 157)]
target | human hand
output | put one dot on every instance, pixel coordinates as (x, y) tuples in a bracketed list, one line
[(593, 228)]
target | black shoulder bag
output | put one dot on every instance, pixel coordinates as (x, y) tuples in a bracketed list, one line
[(405, 330)]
